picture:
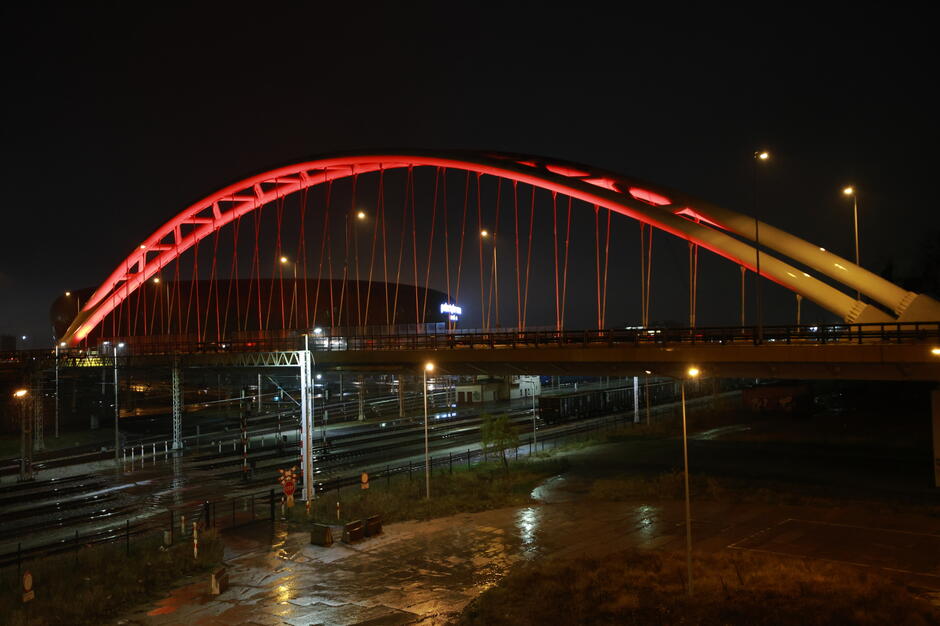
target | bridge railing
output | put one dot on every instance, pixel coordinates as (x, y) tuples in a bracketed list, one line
[(325, 341)]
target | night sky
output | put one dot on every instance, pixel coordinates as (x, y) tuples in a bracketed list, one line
[(117, 117)]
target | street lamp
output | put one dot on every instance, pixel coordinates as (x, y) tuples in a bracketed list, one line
[(293, 305), (26, 440), (850, 191), (428, 367), (117, 409), (494, 282), (760, 156), (691, 373)]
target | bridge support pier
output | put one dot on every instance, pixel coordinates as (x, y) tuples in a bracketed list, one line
[(935, 411), (176, 391)]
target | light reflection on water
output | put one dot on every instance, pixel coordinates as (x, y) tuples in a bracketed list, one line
[(527, 521), (647, 518)]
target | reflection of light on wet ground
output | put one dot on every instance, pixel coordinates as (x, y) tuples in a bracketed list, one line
[(527, 521), (646, 518), (282, 593)]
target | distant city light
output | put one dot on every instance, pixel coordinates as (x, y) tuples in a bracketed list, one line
[(849, 191), (763, 155), (693, 371), (19, 393), (361, 215), (156, 279), (429, 367), (484, 233), (68, 293), (283, 259), (935, 351)]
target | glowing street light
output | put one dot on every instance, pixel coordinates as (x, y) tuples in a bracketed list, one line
[(361, 215), (484, 233), (935, 351), (428, 367), (761, 156), (26, 440), (284, 260), (692, 373), (850, 191)]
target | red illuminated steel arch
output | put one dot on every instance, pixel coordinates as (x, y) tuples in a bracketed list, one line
[(673, 212)]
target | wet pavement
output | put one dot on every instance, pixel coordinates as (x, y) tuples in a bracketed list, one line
[(426, 572)]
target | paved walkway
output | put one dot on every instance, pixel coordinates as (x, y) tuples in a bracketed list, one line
[(428, 571)]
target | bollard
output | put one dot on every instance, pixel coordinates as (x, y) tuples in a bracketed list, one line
[(218, 581), (450, 461), (182, 525), (337, 510), (468, 458), (195, 541), (124, 455), (220, 446)]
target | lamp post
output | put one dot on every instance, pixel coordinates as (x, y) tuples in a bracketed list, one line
[(26, 457), (494, 282), (850, 191), (692, 373), (78, 302), (534, 442), (293, 303), (117, 409), (428, 367), (58, 345), (759, 156)]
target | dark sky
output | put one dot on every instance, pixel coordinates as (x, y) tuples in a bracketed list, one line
[(117, 117)]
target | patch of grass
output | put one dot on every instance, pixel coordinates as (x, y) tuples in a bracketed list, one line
[(671, 486), (634, 587), (100, 581), (483, 487)]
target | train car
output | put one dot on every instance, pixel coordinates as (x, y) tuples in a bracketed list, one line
[(582, 404)]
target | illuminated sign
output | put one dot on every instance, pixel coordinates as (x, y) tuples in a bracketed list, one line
[(452, 309)]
